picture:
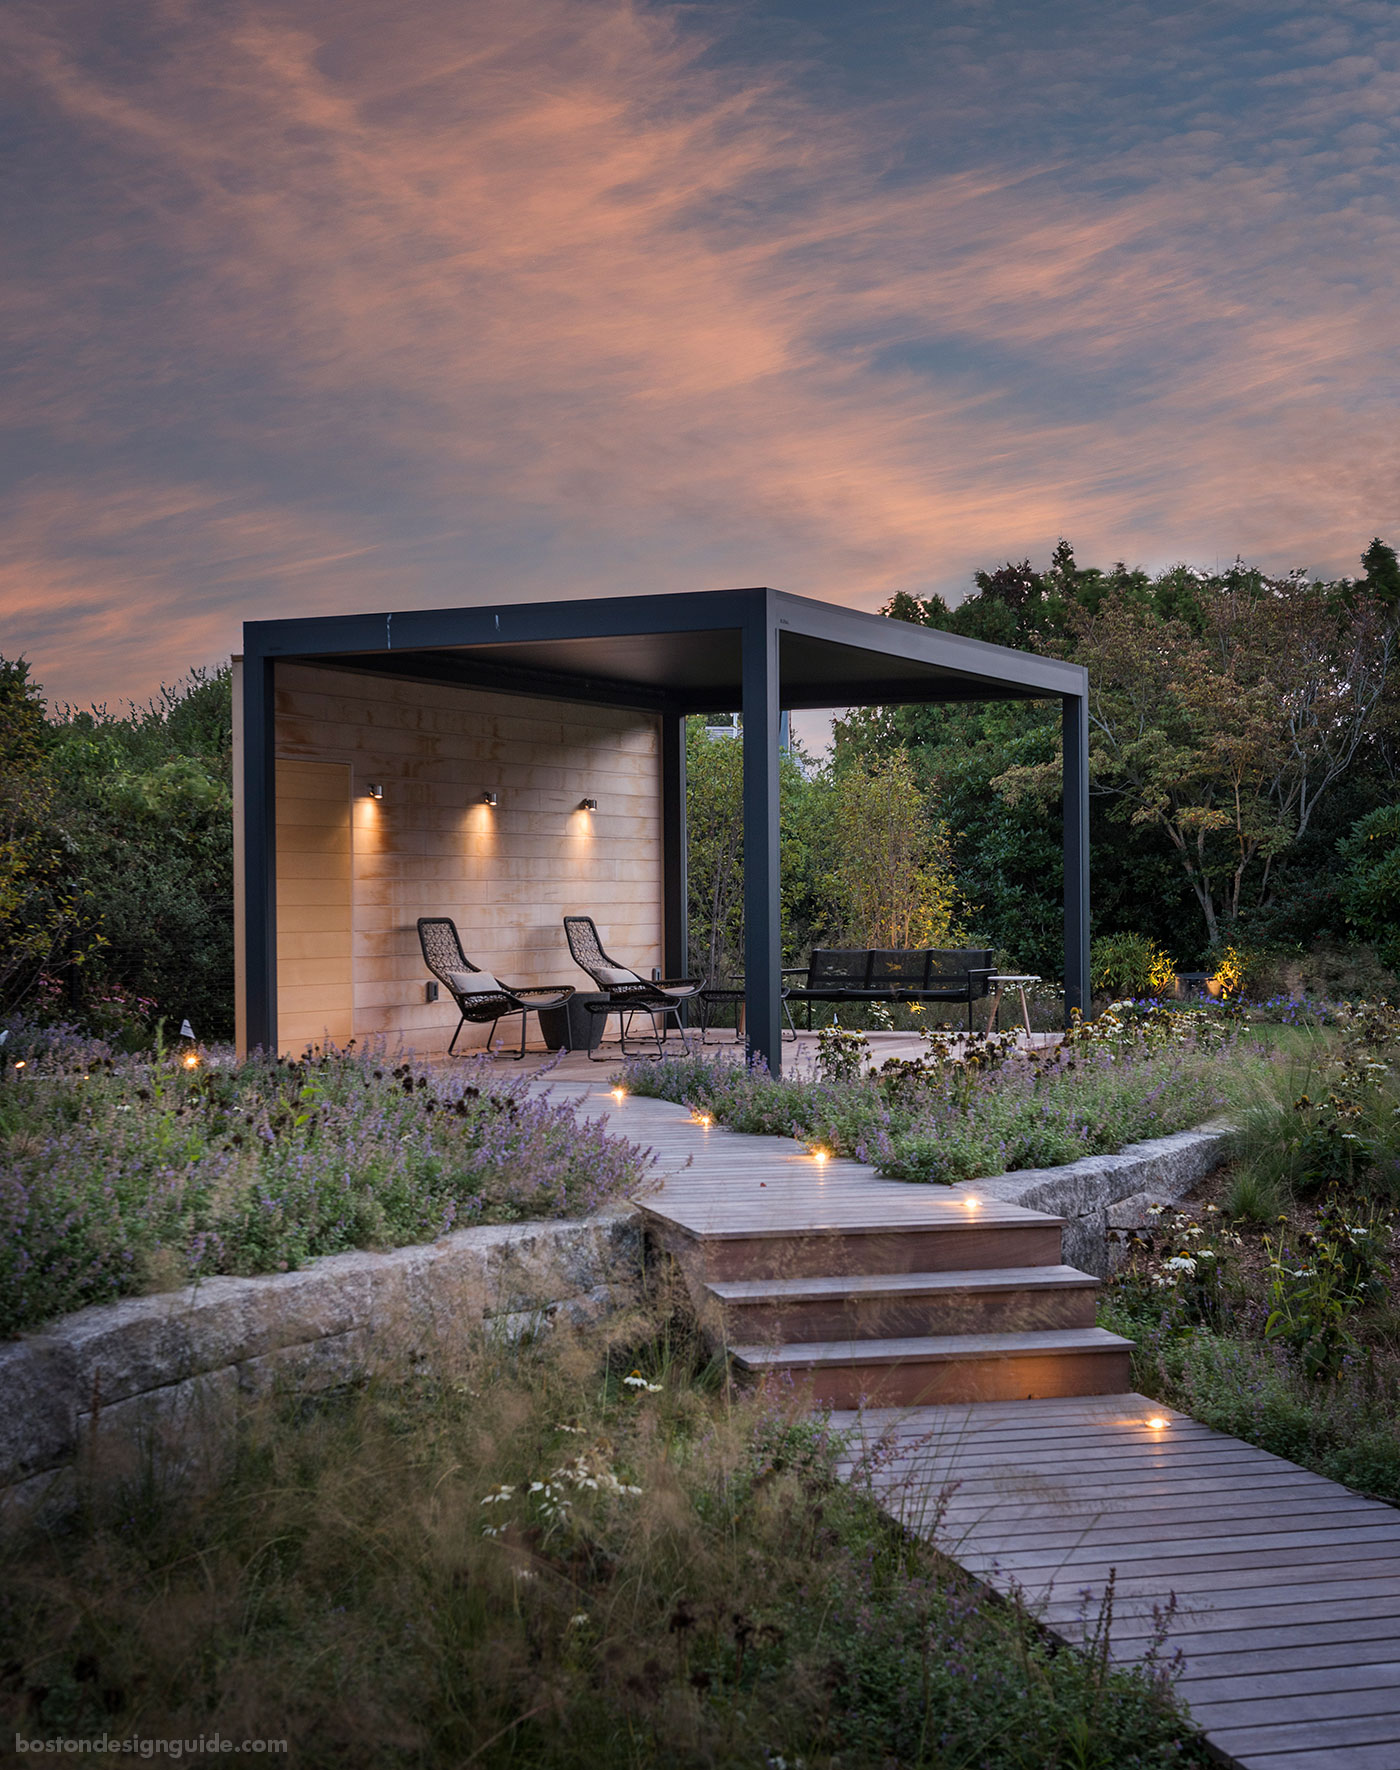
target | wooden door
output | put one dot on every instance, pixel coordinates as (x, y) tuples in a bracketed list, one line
[(315, 974)]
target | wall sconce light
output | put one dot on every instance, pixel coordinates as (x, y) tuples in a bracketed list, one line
[(374, 790), (588, 804), (488, 798)]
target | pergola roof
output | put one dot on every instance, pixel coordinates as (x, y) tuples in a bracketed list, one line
[(676, 654)]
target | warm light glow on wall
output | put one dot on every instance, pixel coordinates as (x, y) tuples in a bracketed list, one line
[(580, 825), (483, 825), (368, 815)]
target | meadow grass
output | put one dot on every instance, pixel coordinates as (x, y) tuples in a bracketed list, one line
[(584, 1551)]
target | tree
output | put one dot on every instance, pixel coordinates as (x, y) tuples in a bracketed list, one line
[(891, 874), (1226, 739), (43, 920), (715, 827), (1382, 580), (146, 802), (1371, 886)]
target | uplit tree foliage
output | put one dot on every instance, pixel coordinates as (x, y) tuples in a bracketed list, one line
[(889, 879)]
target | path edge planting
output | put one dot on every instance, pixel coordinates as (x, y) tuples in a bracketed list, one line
[(1103, 1193), (157, 1359)]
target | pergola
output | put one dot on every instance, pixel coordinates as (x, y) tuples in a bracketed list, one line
[(756, 650)]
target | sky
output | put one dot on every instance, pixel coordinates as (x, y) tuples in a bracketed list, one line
[(318, 306)]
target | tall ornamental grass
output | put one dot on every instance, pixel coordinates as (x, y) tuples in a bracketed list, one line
[(124, 1174), (574, 1554), (1328, 1113)]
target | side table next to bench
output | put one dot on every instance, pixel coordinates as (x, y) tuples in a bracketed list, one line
[(1000, 981)]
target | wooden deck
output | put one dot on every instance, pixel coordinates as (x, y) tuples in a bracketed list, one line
[(1287, 1585)]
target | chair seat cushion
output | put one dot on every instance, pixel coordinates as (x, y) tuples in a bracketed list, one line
[(609, 975), (472, 983)]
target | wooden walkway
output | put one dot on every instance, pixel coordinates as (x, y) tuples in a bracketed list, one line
[(1287, 1586)]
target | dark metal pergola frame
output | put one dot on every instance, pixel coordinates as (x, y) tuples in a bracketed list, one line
[(760, 650)]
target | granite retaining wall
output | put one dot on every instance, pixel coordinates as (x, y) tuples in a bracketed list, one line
[(152, 1359), (161, 1358), (1104, 1193)]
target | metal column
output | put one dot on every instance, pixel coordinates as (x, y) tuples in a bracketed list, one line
[(260, 850), (1075, 725), (762, 906), (675, 889)]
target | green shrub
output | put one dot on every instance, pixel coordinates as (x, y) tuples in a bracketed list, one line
[(1315, 1289), (1130, 965)]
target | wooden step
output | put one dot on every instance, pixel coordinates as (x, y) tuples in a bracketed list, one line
[(948, 1243), (922, 1372), (901, 1305)]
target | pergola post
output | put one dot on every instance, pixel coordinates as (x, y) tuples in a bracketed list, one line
[(1075, 727), (762, 901), (260, 850), (675, 891)]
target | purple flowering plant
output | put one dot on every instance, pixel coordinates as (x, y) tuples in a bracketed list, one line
[(127, 1173)]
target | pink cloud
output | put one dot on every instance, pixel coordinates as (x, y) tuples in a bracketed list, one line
[(608, 316)]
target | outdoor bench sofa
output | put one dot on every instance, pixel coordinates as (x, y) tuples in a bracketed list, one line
[(891, 974)]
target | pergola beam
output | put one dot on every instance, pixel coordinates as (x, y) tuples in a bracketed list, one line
[(1074, 725), (763, 934)]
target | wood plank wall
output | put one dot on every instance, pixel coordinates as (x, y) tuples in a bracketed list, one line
[(315, 998), (507, 876)]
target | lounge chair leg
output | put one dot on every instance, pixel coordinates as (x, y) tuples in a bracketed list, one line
[(521, 1052), (453, 1046)]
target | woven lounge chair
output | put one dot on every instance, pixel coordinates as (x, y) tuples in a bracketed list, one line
[(626, 993), (480, 997)]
